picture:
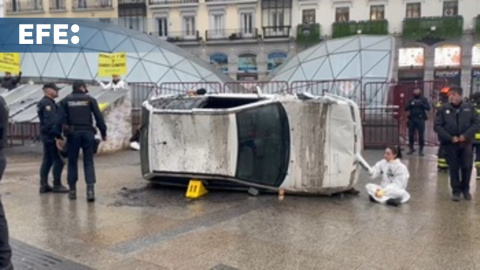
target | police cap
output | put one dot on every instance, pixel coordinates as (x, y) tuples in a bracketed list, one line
[(77, 84), (51, 85)]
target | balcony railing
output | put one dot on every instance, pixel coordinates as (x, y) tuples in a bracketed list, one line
[(183, 36), (434, 27), (171, 2), (129, 2), (237, 34), (345, 29), (308, 34), (14, 6), (228, 1), (57, 5), (276, 31), (79, 5), (477, 25)]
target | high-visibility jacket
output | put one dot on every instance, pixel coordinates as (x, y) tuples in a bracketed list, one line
[(477, 135)]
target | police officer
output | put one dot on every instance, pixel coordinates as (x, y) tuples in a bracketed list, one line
[(76, 111), (475, 99), (456, 124), (5, 250), (47, 111), (442, 165), (417, 109)]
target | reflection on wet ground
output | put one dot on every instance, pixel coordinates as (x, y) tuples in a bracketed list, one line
[(137, 225)]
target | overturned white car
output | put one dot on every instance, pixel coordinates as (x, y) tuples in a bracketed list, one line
[(301, 144)]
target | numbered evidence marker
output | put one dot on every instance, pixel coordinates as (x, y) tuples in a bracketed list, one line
[(102, 106)]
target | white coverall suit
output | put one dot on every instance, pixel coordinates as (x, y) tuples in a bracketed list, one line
[(394, 182), (114, 86)]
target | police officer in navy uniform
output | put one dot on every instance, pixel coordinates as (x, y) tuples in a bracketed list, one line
[(5, 249), (456, 124), (76, 111), (47, 112), (417, 108)]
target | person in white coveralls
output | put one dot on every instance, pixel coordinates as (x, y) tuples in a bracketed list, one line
[(393, 186), (115, 84)]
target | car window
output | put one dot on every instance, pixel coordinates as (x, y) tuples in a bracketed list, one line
[(264, 144)]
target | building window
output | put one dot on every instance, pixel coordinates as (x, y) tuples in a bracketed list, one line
[(247, 63), (246, 23), (342, 14), (308, 16), (275, 59), (377, 12), (162, 27), (276, 17), (105, 20), (217, 24), (414, 10), (189, 28), (132, 18), (450, 8), (220, 62)]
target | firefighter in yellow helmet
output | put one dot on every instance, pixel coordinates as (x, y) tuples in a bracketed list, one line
[(475, 99), (442, 161)]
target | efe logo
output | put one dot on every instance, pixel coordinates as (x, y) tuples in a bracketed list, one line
[(43, 30)]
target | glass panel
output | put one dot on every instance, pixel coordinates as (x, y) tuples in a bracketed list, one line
[(377, 12), (308, 16), (264, 143), (342, 14), (414, 10)]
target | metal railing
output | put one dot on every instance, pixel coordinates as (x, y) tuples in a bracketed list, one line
[(274, 87), (276, 31), (126, 2), (57, 5), (13, 6), (171, 2), (91, 4), (231, 34), (183, 36)]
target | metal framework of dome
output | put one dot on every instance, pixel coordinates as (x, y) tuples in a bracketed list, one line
[(358, 59), (149, 59)]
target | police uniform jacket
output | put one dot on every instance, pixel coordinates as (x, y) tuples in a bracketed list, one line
[(4, 113), (417, 107), (47, 112), (451, 121), (76, 111)]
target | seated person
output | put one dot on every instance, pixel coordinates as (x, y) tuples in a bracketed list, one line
[(395, 175)]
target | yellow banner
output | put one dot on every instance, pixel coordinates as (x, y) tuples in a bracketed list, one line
[(477, 136), (112, 64), (10, 62)]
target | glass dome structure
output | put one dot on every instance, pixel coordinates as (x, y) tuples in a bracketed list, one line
[(149, 59), (348, 63)]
